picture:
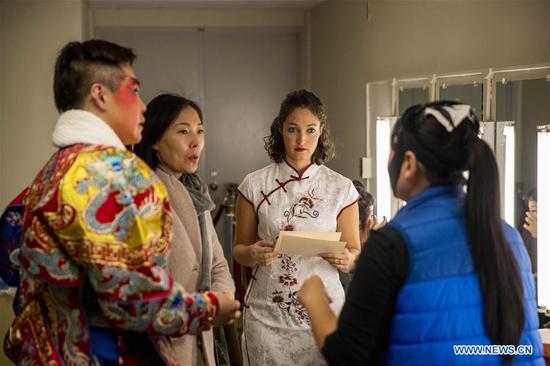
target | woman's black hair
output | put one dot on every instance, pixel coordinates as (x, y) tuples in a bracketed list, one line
[(274, 144), (161, 112), (366, 201), (494, 263)]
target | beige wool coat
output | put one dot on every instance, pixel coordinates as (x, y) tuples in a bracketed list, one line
[(184, 262)]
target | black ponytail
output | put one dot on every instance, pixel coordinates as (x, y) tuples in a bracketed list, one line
[(494, 262)]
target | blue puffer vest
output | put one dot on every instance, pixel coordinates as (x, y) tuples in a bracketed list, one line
[(440, 304)]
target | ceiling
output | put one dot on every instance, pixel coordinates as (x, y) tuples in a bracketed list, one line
[(163, 4)]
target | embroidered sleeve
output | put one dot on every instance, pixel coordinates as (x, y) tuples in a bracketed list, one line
[(11, 223), (114, 222), (350, 195)]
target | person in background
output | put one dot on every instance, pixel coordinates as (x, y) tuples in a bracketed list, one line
[(173, 139), (531, 215), (446, 271), (529, 229), (367, 219), (97, 225), (295, 193)]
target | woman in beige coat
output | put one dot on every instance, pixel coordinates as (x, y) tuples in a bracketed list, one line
[(173, 138)]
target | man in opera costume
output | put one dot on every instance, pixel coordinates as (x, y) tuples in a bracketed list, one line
[(96, 228)]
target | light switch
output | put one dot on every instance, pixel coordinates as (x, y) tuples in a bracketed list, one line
[(366, 168)]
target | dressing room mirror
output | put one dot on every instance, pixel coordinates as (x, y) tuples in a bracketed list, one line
[(471, 94), (526, 103), (543, 211), (412, 95)]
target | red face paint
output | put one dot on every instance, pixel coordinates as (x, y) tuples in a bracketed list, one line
[(129, 114), (127, 93)]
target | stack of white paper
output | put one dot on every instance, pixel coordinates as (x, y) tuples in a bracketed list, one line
[(309, 243)]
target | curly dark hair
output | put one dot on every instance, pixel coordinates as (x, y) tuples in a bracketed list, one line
[(274, 144)]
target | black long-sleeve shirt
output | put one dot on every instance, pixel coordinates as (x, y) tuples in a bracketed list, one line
[(365, 321)]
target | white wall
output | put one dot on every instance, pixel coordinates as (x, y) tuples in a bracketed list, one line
[(31, 34), (191, 17), (409, 39)]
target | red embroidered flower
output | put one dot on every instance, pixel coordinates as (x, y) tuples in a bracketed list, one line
[(287, 280), (307, 202), (277, 296), (288, 265), (288, 227)]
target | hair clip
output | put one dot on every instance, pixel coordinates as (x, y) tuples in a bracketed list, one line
[(457, 112)]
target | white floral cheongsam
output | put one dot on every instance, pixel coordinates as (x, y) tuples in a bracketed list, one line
[(276, 325)]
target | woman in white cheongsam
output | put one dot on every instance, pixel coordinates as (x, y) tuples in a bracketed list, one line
[(297, 192)]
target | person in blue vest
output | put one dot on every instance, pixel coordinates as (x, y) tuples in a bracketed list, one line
[(446, 281)]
